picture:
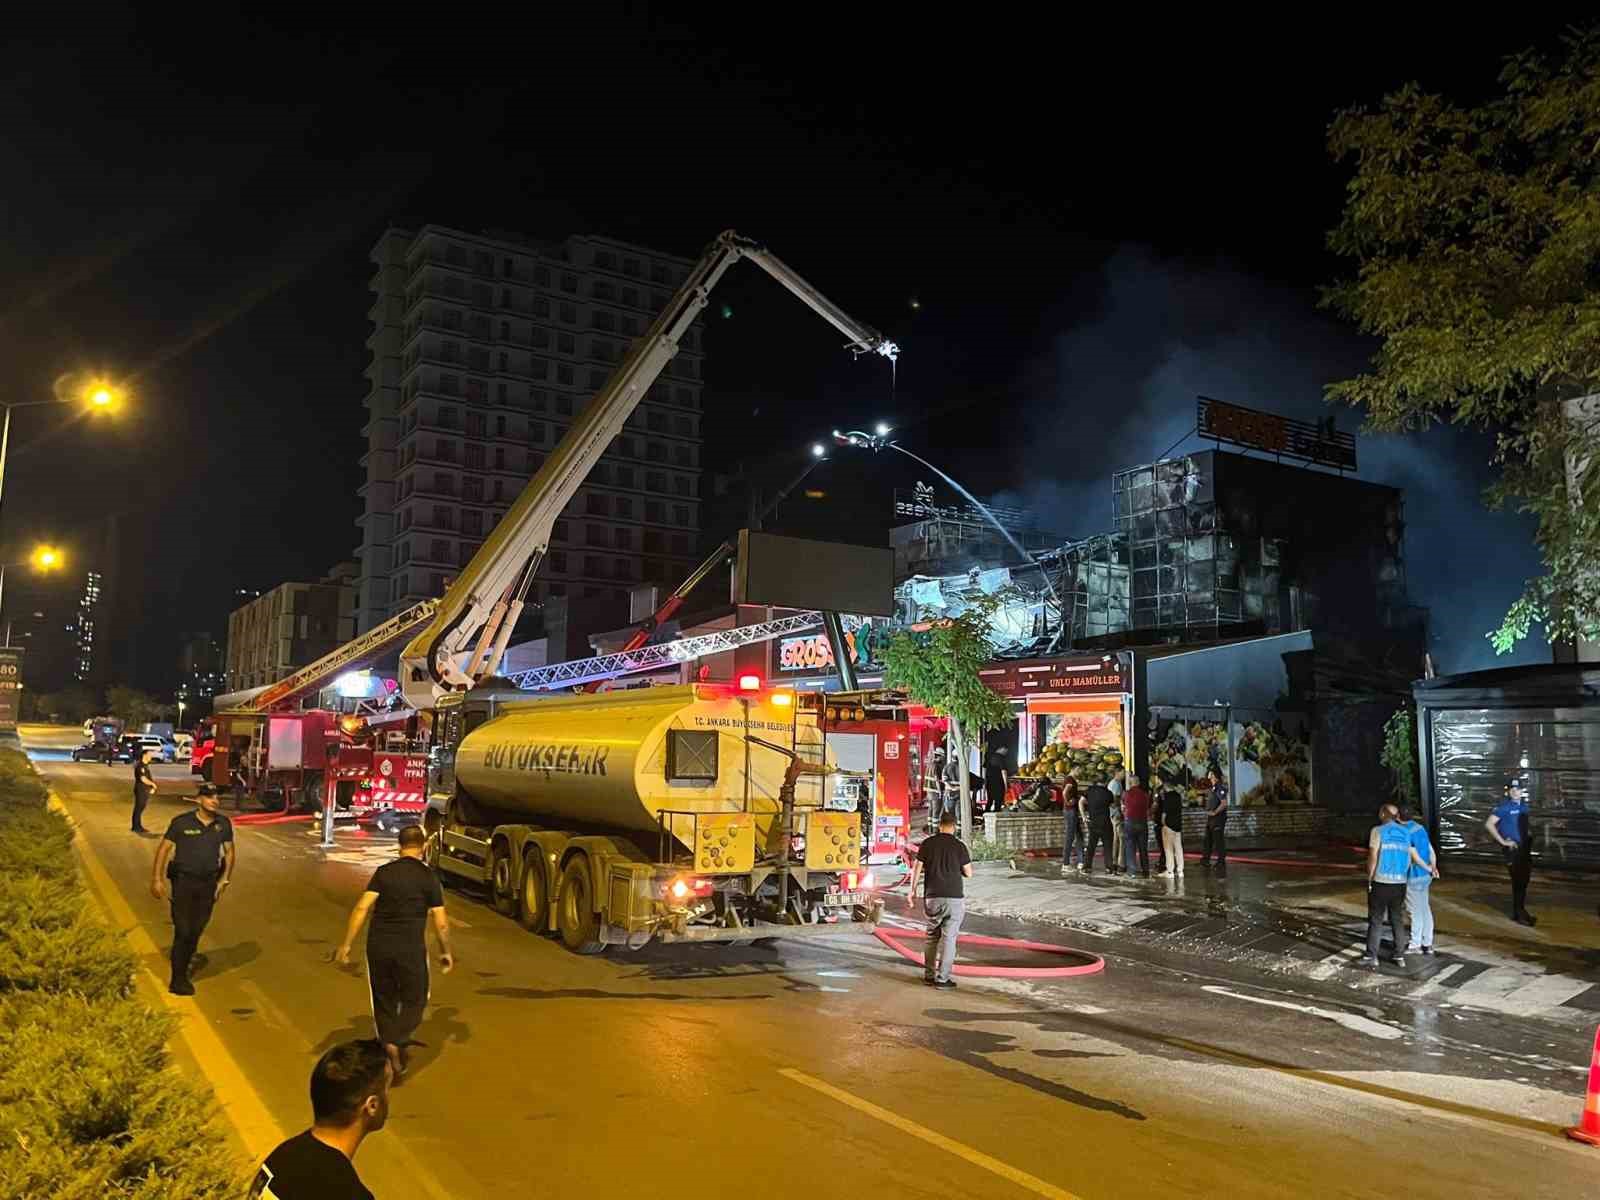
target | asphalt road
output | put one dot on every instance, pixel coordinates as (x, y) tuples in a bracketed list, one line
[(718, 1072)]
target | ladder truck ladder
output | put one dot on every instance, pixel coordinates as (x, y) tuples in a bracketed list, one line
[(580, 671), (368, 645)]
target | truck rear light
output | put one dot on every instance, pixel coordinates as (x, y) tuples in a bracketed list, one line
[(684, 887), (859, 881)]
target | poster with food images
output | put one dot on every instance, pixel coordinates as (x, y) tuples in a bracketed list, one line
[(1272, 763)]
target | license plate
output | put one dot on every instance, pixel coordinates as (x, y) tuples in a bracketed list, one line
[(844, 899)]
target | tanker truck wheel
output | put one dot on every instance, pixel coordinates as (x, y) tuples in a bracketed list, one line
[(502, 879), (532, 909), (576, 919)]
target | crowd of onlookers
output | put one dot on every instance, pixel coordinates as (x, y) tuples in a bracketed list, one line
[(1129, 821)]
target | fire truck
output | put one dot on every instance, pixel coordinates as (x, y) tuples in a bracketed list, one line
[(368, 756)]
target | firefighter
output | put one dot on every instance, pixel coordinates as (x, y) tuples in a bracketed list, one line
[(402, 897), (193, 867)]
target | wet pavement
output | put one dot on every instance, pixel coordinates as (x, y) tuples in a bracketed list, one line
[(1310, 922), (792, 1069)]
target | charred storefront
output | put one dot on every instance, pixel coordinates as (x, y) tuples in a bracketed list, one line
[(1539, 725)]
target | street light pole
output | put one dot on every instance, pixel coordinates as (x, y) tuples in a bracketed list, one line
[(5, 443)]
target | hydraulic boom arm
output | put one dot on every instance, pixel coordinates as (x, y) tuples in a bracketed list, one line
[(468, 634)]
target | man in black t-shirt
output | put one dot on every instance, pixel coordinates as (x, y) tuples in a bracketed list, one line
[(349, 1099), (1097, 806), (1172, 833), (402, 896), (944, 862)]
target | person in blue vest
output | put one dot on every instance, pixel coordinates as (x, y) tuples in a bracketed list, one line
[(1510, 824), (1424, 870), (1390, 857)]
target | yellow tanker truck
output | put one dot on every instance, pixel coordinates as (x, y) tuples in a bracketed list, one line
[(689, 813)]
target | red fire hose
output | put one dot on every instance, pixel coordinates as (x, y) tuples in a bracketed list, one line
[(1095, 964)]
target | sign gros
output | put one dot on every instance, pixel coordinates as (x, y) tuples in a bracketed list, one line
[(809, 653), (863, 637)]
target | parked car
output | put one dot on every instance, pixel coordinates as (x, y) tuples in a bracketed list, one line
[(90, 752), (163, 749), (183, 746)]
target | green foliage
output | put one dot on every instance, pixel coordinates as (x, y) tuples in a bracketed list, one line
[(1399, 757), (92, 1109), (70, 706), (984, 849), (1475, 233), (89, 1104), (133, 706), (938, 667)]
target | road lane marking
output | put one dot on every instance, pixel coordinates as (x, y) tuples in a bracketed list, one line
[(1351, 1021), (905, 1125), (243, 1105)]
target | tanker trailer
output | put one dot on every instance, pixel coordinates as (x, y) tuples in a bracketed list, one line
[(689, 813)]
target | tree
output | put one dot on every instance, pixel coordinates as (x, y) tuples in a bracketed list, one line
[(72, 705), (1399, 756), (938, 667), (132, 705), (1475, 232)]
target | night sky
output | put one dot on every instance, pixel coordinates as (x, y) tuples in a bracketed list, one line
[(1071, 233)]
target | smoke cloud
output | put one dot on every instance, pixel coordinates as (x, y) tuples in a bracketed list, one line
[(1119, 389)]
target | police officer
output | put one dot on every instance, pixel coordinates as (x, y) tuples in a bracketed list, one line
[(1510, 825), (193, 867), (144, 785)]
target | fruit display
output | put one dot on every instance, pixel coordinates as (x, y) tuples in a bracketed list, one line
[(1087, 749)]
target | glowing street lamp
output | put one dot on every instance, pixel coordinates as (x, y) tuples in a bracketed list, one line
[(98, 395), (44, 559)]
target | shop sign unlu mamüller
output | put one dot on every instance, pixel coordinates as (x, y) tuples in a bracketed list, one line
[(1074, 676)]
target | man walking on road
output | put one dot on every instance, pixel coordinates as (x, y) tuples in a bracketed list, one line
[(945, 862), (1418, 880), (1510, 825), (349, 1099), (193, 867), (144, 786), (402, 897), (1216, 829)]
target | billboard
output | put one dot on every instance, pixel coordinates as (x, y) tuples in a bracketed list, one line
[(788, 572), (10, 686)]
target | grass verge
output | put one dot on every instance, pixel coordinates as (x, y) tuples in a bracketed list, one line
[(89, 1103)]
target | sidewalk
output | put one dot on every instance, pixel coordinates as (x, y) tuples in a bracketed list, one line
[(1305, 916)]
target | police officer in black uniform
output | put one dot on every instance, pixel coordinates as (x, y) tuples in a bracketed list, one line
[(144, 785), (193, 867)]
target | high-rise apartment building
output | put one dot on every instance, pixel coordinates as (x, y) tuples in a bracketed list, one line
[(85, 627), (59, 626), (292, 625), (484, 349), (200, 666)]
